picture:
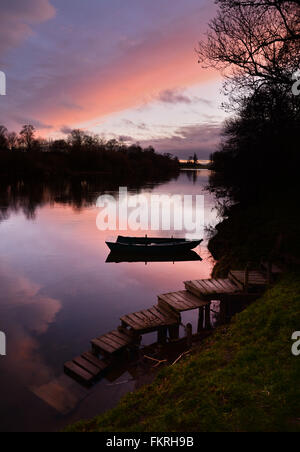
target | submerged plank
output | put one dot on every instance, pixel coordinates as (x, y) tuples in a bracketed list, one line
[(62, 394)]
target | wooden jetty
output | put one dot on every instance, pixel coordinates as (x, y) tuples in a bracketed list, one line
[(112, 342), (165, 318)]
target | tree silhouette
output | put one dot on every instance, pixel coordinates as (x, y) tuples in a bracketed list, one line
[(12, 140), (254, 43), (27, 136), (3, 137)]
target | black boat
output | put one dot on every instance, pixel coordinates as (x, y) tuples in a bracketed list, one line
[(152, 245)]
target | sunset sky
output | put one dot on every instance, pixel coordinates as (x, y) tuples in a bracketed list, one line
[(119, 68)]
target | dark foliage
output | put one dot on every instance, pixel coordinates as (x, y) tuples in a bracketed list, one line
[(257, 43), (80, 154)]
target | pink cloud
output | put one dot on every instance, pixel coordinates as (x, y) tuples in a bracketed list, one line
[(17, 18)]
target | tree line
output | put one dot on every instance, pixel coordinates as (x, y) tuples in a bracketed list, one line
[(24, 155), (77, 140)]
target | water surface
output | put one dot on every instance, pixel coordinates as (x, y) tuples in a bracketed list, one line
[(58, 292)]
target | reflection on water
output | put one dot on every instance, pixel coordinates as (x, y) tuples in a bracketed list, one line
[(186, 256), (57, 292)]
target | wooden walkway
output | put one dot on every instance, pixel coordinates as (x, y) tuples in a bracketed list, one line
[(181, 301), (112, 342), (164, 317), (150, 320), (86, 368), (256, 280), (208, 289)]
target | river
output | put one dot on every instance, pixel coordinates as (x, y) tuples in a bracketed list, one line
[(58, 292)]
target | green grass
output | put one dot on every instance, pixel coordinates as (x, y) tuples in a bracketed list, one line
[(243, 378)]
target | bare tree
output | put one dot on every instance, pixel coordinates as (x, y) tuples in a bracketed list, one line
[(3, 137), (27, 136), (254, 43), (76, 138), (12, 140)]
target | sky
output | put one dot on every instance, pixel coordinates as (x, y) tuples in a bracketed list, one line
[(120, 68)]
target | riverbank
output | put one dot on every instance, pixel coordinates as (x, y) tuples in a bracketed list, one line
[(243, 378), (123, 165), (265, 228), (194, 166)]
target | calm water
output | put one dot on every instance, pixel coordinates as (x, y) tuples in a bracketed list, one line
[(57, 293)]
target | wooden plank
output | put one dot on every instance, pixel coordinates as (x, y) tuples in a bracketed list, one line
[(189, 299), (117, 339), (147, 321), (227, 284), (125, 332), (167, 301), (219, 285), (140, 319), (179, 306), (77, 372), (86, 365), (236, 281), (126, 338), (152, 318), (156, 313), (255, 277), (195, 301), (180, 296), (98, 343), (192, 289), (210, 286), (132, 322), (185, 295), (179, 300), (196, 285), (202, 287), (100, 364), (183, 301), (170, 302), (115, 345), (170, 317)]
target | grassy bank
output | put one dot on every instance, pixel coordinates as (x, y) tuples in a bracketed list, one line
[(244, 378)]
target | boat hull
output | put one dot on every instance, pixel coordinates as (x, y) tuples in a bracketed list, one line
[(152, 246)]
